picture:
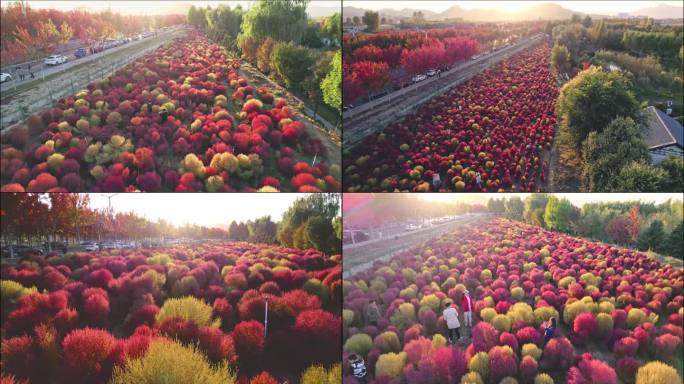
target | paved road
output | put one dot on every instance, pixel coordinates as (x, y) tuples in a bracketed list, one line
[(40, 70), (376, 115), (360, 258)]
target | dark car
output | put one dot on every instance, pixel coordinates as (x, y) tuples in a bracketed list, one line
[(20, 250), (55, 246), (81, 52)]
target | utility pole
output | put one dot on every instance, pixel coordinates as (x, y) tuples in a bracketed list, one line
[(109, 207)]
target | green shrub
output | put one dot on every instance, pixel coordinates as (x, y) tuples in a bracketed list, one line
[(390, 365), (170, 362), (388, 341), (543, 378), (10, 293), (404, 316), (502, 323), (480, 363), (532, 350), (487, 314), (471, 378), (360, 344), (159, 258), (189, 308)]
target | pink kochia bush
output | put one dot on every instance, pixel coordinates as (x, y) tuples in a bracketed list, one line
[(104, 309), (503, 264)]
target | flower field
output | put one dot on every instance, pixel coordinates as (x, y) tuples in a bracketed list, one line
[(194, 314), (619, 311), (499, 124), (220, 135)]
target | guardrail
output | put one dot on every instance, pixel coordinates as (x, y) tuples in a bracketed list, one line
[(74, 84), (354, 131)]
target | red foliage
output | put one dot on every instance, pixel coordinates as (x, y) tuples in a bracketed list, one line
[(99, 278), (320, 330), (217, 345), (263, 378), (223, 310), (502, 364), (485, 336), (627, 346), (585, 325), (90, 354), (666, 345), (528, 335), (373, 75), (528, 368), (559, 352), (589, 370), (300, 301), (450, 364), (42, 183), (144, 315), (248, 337), (627, 368), (18, 357)]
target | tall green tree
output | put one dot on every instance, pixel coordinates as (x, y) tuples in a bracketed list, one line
[(674, 244), (606, 153), (332, 28), (559, 214), (560, 58), (294, 230), (197, 16), (262, 230), (638, 176), (312, 83), (331, 86), (514, 208), (533, 209), (372, 20), (653, 237), (592, 99), (292, 64), (282, 20)]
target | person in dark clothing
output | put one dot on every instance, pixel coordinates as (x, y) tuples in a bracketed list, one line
[(33, 77), (358, 367), (164, 114), (373, 313), (549, 330)]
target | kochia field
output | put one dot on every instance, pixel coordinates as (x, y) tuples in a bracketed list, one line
[(189, 314), (619, 311)]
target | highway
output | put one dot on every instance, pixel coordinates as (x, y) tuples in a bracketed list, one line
[(372, 117)]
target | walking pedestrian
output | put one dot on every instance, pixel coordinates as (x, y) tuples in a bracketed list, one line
[(451, 317), (467, 306), (33, 77), (478, 180), (164, 114), (549, 330), (358, 367), (372, 313)]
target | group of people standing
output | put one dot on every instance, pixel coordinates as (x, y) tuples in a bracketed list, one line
[(453, 323)]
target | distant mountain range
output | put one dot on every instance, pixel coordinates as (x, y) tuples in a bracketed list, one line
[(543, 11)]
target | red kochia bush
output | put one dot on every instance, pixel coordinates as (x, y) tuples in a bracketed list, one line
[(90, 354), (248, 337), (320, 331), (591, 371), (560, 352), (143, 315), (263, 378), (584, 326), (96, 305), (485, 336), (528, 335), (666, 345), (300, 300), (223, 310), (217, 345), (627, 368), (528, 368), (627, 346), (450, 364), (99, 278), (18, 357), (502, 363)]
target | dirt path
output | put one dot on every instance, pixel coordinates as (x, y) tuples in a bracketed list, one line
[(69, 80)]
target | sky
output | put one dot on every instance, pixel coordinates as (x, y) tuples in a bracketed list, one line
[(315, 8), (593, 7), (577, 199), (211, 210)]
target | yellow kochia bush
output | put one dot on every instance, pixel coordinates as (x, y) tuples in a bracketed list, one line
[(543, 378), (520, 312), (543, 314), (656, 372), (480, 363), (175, 363), (531, 349), (189, 308), (502, 323), (390, 365), (471, 378), (487, 314)]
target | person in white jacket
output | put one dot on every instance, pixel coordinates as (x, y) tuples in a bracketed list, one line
[(451, 317)]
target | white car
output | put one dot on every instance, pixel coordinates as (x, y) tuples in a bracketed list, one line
[(433, 72), (5, 77), (418, 78), (89, 246), (55, 60)]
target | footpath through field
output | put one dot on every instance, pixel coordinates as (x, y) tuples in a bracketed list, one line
[(374, 116), (361, 256), (17, 103)]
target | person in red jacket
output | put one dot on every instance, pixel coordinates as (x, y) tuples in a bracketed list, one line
[(467, 306)]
